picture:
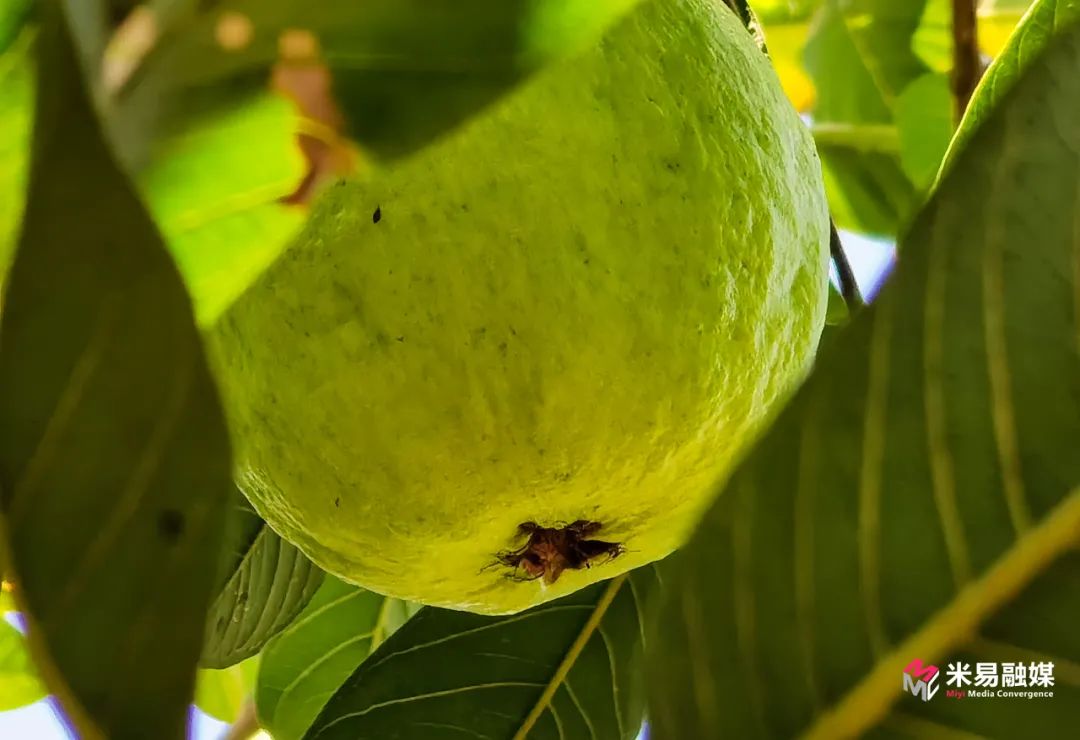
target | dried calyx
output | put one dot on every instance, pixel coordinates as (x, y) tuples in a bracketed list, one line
[(551, 550)]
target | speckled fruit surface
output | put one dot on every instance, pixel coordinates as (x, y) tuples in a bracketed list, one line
[(580, 306)]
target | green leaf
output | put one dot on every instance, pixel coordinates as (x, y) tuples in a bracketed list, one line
[(1043, 21), (933, 39), (868, 190), (114, 465), (304, 665), (213, 182), (997, 20), (224, 693), (784, 11), (404, 71), (847, 90), (19, 682), (837, 313), (924, 120), (16, 106), (570, 668), (13, 18), (785, 42), (883, 31), (268, 583), (920, 497)]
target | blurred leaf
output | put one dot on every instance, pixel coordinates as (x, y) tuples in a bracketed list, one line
[(933, 39), (404, 70), (111, 425), (868, 191), (883, 31), (919, 498), (924, 119), (268, 583), (16, 105), (1046, 18), (19, 682), (847, 90), (837, 312), (213, 184), (89, 24), (784, 11), (786, 41), (223, 693), (570, 668), (13, 18), (212, 181), (997, 20), (310, 660)]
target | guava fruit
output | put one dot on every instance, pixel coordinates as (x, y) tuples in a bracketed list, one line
[(523, 360)]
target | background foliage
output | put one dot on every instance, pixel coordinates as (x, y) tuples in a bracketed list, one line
[(920, 497)]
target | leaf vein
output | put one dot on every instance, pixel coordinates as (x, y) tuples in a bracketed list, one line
[(572, 653), (873, 451), (1001, 405), (866, 703), (429, 695), (942, 479), (494, 624)]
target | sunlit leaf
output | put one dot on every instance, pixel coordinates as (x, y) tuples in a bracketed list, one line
[(920, 497), (568, 669), (13, 18), (997, 20), (19, 682), (223, 693), (883, 31), (213, 181), (933, 40), (114, 464), (310, 660), (924, 121), (404, 70), (786, 42), (214, 186), (784, 11), (868, 190), (16, 106)]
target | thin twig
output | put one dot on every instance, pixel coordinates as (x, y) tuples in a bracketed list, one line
[(246, 724), (967, 64), (849, 289)]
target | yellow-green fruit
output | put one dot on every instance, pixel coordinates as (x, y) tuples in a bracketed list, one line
[(581, 306)]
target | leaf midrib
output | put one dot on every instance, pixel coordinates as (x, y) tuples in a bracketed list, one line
[(570, 659), (867, 703)]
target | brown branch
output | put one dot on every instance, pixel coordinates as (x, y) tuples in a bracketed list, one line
[(849, 289), (967, 64)]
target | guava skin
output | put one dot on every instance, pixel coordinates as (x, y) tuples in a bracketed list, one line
[(581, 306)]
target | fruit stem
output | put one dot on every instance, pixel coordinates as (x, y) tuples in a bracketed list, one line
[(967, 62), (849, 289)]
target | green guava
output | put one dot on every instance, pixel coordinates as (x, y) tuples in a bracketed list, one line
[(523, 360)]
